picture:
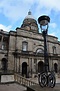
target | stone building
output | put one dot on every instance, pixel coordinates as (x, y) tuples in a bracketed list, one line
[(22, 50)]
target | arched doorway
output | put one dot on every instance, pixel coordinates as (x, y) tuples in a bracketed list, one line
[(24, 69), (40, 66), (4, 64), (55, 67)]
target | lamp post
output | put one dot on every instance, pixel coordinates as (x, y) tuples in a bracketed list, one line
[(46, 78)]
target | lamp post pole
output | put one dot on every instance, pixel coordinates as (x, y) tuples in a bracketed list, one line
[(45, 51), (45, 78)]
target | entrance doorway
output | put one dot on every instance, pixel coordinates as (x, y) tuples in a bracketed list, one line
[(24, 69), (40, 66), (4, 64), (55, 67)]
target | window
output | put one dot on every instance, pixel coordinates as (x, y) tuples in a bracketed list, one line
[(24, 46), (55, 67), (54, 50), (39, 50), (3, 46), (5, 43)]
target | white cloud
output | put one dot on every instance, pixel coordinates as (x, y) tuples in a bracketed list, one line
[(46, 6), (53, 34), (53, 25), (16, 9), (5, 28), (50, 4)]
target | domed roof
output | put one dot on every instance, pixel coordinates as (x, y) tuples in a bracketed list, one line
[(29, 23), (29, 15)]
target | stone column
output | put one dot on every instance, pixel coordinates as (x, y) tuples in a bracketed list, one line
[(14, 63), (58, 66), (19, 64), (30, 66)]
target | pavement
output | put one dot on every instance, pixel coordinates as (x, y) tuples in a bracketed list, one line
[(12, 87), (38, 88)]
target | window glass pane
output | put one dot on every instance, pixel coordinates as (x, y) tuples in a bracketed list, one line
[(3, 46), (39, 51), (24, 46)]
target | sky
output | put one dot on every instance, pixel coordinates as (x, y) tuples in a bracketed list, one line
[(13, 12)]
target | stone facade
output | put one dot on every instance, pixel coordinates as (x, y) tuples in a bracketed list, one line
[(22, 50)]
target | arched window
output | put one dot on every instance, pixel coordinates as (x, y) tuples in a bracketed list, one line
[(55, 67), (24, 69), (4, 64), (24, 46), (40, 66), (39, 51)]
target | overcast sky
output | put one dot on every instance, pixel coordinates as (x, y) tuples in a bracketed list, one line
[(13, 12)]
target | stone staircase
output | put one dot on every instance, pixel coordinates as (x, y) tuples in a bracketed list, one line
[(23, 81)]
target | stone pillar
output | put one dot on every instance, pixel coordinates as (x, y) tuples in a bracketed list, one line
[(28, 68), (19, 64), (31, 66), (14, 63), (58, 66)]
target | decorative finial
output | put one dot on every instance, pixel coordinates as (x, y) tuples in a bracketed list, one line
[(29, 13)]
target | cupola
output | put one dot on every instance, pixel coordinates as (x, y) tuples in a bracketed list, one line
[(29, 23)]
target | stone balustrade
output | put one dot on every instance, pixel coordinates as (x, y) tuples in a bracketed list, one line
[(23, 81)]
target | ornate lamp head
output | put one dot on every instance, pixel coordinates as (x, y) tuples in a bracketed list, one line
[(43, 21)]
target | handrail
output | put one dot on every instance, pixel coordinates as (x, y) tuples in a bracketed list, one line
[(23, 81)]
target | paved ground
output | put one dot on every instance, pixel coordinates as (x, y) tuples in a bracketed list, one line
[(38, 88), (12, 87), (17, 87)]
